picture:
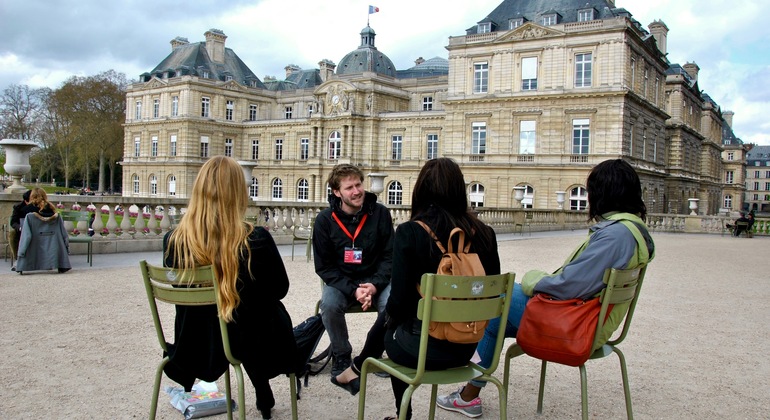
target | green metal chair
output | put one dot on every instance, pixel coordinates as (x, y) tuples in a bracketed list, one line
[(302, 239), (80, 220), (623, 287), (159, 283), (449, 299)]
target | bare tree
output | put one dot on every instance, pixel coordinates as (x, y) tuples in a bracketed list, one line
[(20, 112)]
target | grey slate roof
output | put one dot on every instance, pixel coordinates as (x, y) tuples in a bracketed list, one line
[(193, 59), (366, 58), (435, 66), (533, 10), (758, 153)]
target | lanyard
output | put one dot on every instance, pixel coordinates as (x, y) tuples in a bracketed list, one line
[(347, 232)]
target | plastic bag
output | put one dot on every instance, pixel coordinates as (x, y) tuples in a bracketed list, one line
[(204, 400)]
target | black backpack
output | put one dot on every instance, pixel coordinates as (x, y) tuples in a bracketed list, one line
[(307, 335)]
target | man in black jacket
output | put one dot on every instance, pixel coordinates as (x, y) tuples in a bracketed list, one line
[(15, 233), (352, 246)]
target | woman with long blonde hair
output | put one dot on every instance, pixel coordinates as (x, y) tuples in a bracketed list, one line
[(252, 282)]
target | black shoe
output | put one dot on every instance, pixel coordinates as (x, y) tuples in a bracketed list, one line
[(341, 363), (266, 413), (353, 386)]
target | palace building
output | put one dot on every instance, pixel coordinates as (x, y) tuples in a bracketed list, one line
[(528, 100)]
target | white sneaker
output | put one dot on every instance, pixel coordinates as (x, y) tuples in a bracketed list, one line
[(454, 402)]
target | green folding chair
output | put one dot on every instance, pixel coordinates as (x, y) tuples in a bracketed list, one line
[(623, 287), (76, 217), (473, 298)]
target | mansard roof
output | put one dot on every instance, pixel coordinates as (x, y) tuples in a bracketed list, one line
[(533, 10), (298, 79), (435, 66), (758, 153)]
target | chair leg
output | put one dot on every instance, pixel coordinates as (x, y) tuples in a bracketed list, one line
[(626, 387), (229, 395), (405, 402), (293, 389), (542, 387), (362, 391), (513, 351), (433, 395), (156, 387), (583, 392)]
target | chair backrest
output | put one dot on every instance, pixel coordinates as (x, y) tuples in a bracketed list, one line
[(223, 329), (463, 299), (76, 216), (167, 285), (623, 286)]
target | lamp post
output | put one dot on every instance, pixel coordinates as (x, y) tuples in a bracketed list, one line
[(17, 161), (518, 194), (560, 198)]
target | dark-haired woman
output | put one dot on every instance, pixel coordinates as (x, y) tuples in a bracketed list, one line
[(439, 200), (619, 239)]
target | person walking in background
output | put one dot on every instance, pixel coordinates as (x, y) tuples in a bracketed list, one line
[(352, 247), (252, 282), (619, 239), (438, 200)]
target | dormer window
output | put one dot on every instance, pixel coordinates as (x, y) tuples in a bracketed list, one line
[(484, 27), (585, 15), (205, 74), (550, 19), (515, 23), (228, 78)]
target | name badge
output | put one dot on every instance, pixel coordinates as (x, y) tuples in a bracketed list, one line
[(353, 255)]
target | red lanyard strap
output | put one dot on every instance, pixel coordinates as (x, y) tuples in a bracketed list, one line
[(347, 232)]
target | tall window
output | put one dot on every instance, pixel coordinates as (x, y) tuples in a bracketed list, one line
[(287, 112), (204, 146), (277, 189), (304, 148), (657, 89), (254, 188), (205, 106), (229, 147), (583, 70), (174, 106), (646, 80), (480, 77), (137, 146), (529, 73), (476, 196), (278, 149), (303, 191), (135, 180), (529, 197), (395, 145), (729, 176), (631, 141), (153, 185), (254, 149), (580, 136), (229, 108), (644, 143), (728, 201), (172, 185), (252, 112), (172, 145), (578, 199), (756, 174), (154, 146), (335, 145), (395, 193), (427, 103), (479, 138), (432, 146), (155, 108), (138, 111), (633, 73), (527, 137)]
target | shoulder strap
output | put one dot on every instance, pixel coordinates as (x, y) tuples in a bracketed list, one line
[(433, 235)]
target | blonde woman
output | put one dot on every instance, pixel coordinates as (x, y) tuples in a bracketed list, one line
[(252, 281)]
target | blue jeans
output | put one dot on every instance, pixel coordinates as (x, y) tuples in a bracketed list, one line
[(486, 346), (333, 306)]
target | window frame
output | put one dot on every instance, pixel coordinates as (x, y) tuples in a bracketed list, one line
[(395, 193), (228, 147), (334, 149), (396, 146), (581, 136), (278, 149), (229, 110), (480, 77), (204, 147), (531, 140), (528, 83), (427, 103), (583, 69), (304, 148), (205, 107), (432, 146), (478, 138)]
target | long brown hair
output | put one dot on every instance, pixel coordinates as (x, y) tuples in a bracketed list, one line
[(213, 230)]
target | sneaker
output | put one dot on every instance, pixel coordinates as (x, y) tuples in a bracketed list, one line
[(454, 402), (341, 363)]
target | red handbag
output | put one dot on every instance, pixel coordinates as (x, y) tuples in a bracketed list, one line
[(560, 331)]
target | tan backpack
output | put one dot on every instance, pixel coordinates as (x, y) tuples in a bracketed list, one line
[(460, 263)]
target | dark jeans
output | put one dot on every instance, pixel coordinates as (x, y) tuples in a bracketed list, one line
[(333, 306)]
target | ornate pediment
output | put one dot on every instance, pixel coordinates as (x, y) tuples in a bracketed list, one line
[(334, 98), (232, 85), (528, 31), (155, 83)]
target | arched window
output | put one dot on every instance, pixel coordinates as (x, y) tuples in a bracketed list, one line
[(335, 145), (302, 190), (254, 188), (728, 201), (135, 179), (153, 185), (172, 185), (529, 197), (477, 195), (277, 189), (395, 193), (578, 199)]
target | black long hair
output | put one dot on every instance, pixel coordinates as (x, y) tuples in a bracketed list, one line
[(439, 199), (614, 185)]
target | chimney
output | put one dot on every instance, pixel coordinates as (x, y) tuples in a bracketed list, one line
[(327, 69), (215, 45), (692, 69), (291, 69), (659, 30), (419, 61), (728, 116), (178, 41)]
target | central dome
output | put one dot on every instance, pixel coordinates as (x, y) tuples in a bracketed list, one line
[(366, 58)]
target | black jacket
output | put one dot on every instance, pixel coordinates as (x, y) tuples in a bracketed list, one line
[(375, 240)]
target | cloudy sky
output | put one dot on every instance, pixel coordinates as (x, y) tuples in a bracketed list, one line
[(44, 43)]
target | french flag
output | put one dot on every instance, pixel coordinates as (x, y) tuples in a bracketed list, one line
[(373, 9)]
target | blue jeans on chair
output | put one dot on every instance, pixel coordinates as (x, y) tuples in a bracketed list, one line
[(333, 306), (486, 346)]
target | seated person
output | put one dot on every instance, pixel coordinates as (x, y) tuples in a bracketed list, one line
[(352, 247), (738, 229), (15, 233), (44, 243), (619, 239)]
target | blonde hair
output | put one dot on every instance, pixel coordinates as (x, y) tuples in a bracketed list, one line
[(213, 230), (39, 199)]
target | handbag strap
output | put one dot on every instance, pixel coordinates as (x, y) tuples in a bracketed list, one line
[(450, 245)]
